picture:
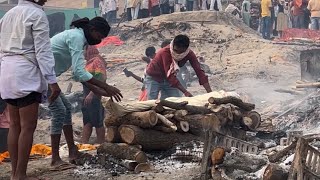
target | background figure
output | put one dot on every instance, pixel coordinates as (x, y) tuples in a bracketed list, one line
[(215, 5), (92, 109), (155, 8), (282, 18), (102, 9), (144, 9), (205, 4), (190, 5), (171, 6), (164, 6), (111, 10), (314, 8), (181, 5), (245, 12), (266, 7), (127, 9), (297, 14)]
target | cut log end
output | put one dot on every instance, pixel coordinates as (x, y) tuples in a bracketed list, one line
[(217, 156), (153, 118), (274, 171), (252, 120), (184, 125), (112, 134), (143, 167), (127, 134), (141, 157)]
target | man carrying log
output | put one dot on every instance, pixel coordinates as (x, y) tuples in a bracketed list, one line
[(163, 69)]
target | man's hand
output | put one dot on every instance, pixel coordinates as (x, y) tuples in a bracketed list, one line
[(55, 92), (188, 94), (113, 92), (88, 99)]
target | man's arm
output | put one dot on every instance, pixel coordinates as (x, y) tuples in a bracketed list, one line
[(203, 78), (44, 55), (76, 45)]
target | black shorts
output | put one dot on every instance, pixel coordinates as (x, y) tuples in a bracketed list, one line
[(34, 97)]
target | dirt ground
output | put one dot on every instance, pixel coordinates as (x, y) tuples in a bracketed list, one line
[(254, 67)]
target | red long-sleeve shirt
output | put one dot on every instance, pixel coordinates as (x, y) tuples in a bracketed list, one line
[(160, 65)]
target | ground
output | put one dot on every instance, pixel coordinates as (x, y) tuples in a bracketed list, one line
[(249, 65)]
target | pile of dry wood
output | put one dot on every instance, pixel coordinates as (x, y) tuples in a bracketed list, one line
[(159, 125)]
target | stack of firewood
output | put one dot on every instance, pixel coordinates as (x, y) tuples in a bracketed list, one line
[(159, 125)]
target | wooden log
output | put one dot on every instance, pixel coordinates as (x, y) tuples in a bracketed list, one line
[(143, 167), (308, 85), (197, 123), (151, 139), (158, 108), (232, 100), (145, 119), (112, 134), (296, 169), (183, 106), (123, 151), (216, 174), (166, 122), (217, 156), (205, 163), (252, 120), (278, 155), (164, 129), (180, 113), (275, 172), (129, 164), (184, 126)]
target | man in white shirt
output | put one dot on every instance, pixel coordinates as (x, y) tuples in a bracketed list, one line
[(102, 8), (111, 8)]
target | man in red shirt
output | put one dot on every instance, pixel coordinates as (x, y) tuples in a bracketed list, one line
[(297, 14), (163, 69)]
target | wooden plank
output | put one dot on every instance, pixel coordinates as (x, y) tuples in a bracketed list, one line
[(206, 155)]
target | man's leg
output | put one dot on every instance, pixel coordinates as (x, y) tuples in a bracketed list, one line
[(168, 91), (67, 128), (268, 20), (313, 23), (101, 131), (264, 28), (58, 112), (152, 88), (13, 137), (86, 133), (28, 121)]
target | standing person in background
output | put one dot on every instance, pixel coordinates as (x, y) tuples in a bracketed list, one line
[(154, 7), (92, 109), (67, 48), (205, 4), (215, 5), (134, 6), (26, 68), (171, 6), (111, 10), (314, 8), (127, 9), (282, 18), (164, 6), (190, 5), (144, 9), (102, 9), (297, 14), (245, 12), (266, 6)]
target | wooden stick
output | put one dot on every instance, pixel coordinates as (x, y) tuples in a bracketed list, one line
[(308, 85), (184, 106), (232, 100), (278, 155), (166, 122)]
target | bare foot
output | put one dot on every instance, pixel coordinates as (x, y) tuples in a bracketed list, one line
[(57, 162)]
